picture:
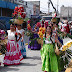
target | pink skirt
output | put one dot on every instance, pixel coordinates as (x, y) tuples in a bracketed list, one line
[(13, 55)]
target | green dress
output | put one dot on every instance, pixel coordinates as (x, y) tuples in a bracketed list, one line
[(49, 59)]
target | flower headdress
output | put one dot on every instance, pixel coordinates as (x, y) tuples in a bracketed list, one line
[(19, 12), (18, 15)]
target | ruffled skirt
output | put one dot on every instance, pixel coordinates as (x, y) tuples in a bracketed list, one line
[(13, 55)]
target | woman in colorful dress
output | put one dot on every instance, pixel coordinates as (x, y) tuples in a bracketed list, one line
[(21, 42), (13, 55), (35, 45), (48, 56)]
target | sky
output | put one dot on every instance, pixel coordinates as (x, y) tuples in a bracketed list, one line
[(44, 4)]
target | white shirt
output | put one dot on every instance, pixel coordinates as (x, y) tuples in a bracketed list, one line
[(11, 35), (19, 31)]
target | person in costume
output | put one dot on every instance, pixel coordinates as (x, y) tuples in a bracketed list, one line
[(48, 56), (34, 45), (55, 28), (21, 42), (13, 55)]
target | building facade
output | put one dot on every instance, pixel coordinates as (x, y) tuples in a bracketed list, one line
[(6, 10), (29, 8), (36, 7), (66, 12), (19, 2)]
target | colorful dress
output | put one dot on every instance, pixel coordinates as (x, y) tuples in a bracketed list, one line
[(13, 55), (35, 45), (21, 44), (48, 56)]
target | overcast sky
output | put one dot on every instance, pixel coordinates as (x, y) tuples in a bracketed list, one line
[(44, 4)]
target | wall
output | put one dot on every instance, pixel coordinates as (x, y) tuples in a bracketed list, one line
[(29, 8), (36, 7), (66, 11)]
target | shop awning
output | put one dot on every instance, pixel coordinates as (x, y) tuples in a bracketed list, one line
[(9, 5)]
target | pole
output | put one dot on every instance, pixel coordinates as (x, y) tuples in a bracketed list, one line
[(48, 6), (68, 12), (57, 6)]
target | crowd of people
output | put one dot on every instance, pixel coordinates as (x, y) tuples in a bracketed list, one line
[(50, 43), (49, 46)]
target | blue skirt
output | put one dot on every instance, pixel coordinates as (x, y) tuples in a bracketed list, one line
[(22, 47)]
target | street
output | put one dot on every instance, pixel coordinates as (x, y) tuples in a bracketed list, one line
[(31, 64)]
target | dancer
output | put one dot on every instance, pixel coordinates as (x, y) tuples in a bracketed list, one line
[(21, 42), (48, 56), (13, 55), (35, 45)]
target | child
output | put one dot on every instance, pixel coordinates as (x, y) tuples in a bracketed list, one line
[(21, 42)]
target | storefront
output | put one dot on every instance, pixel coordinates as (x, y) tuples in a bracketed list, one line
[(6, 10)]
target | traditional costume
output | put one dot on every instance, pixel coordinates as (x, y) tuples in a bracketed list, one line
[(48, 56), (35, 45), (13, 55), (21, 44)]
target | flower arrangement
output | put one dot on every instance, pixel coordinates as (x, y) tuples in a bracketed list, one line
[(28, 27), (19, 12), (46, 24), (38, 24), (66, 46), (18, 15), (28, 32), (41, 32), (2, 33), (2, 42)]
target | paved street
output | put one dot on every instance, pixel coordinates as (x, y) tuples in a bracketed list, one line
[(31, 64)]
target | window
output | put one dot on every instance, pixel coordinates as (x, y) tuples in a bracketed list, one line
[(26, 3)]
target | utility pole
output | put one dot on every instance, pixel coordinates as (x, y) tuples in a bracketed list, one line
[(48, 6), (57, 6), (68, 12)]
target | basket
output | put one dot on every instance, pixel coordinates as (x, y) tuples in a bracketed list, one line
[(39, 41), (17, 21), (53, 20)]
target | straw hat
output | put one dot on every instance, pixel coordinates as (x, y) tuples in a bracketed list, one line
[(17, 21), (53, 20)]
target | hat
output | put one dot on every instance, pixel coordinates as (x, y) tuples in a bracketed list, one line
[(17, 21), (53, 20)]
